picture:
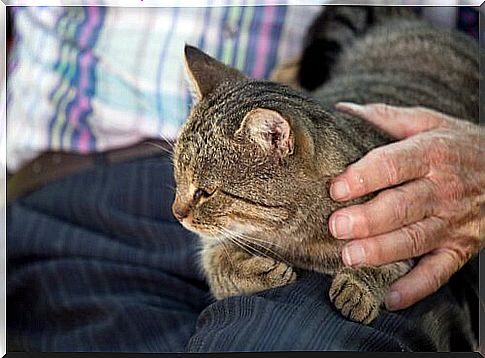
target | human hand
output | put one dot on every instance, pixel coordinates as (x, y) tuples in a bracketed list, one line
[(434, 181)]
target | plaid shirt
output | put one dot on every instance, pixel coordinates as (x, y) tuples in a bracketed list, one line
[(88, 79), (93, 78)]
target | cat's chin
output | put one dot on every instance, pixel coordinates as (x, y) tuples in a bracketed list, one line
[(206, 234), (191, 228), (234, 230)]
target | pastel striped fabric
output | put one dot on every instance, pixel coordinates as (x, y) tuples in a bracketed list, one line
[(93, 78)]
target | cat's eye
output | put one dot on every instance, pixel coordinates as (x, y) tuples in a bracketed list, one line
[(201, 193)]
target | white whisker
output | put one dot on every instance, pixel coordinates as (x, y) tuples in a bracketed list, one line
[(259, 243), (223, 244), (245, 236), (166, 139), (254, 246), (171, 187), (238, 243), (253, 239), (162, 148)]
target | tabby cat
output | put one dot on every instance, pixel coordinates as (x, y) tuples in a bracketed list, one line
[(254, 160)]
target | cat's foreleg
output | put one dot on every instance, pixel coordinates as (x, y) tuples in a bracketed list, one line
[(231, 271), (359, 293)]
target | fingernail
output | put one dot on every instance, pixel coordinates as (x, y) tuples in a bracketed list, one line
[(349, 107), (341, 226), (353, 255), (339, 190), (392, 300)]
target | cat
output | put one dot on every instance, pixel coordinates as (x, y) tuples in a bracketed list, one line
[(254, 160)]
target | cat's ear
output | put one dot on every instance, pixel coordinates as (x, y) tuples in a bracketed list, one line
[(206, 73), (269, 130)]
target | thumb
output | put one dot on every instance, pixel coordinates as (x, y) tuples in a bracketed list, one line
[(399, 122)]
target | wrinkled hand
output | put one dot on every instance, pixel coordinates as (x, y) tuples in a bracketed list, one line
[(435, 181)]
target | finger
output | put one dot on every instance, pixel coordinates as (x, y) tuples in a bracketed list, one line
[(382, 167), (432, 271), (399, 122), (410, 241), (389, 210)]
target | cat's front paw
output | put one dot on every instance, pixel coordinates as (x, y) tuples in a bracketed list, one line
[(252, 275), (268, 273), (353, 297)]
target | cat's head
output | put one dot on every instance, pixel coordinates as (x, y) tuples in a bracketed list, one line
[(244, 155)]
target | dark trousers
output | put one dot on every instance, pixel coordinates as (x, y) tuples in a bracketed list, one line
[(96, 262)]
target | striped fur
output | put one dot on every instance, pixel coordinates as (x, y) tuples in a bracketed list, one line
[(278, 207)]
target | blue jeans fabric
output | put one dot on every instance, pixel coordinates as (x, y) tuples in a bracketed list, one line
[(96, 262)]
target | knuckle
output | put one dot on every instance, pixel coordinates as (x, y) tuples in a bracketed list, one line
[(415, 237), (451, 186), (454, 188), (396, 200), (391, 172), (401, 207), (456, 258), (463, 246), (384, 157), (462, 254), (431, 188), (441, 148)]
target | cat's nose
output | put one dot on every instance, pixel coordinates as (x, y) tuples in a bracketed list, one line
[(179, 210)]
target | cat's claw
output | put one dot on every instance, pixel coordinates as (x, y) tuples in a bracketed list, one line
[(353, 298)]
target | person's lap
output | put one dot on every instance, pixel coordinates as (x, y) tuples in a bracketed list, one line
[(97, 263)]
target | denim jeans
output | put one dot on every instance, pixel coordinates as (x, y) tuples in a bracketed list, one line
[(96, 262)]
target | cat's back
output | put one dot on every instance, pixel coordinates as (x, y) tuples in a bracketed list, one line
[(408, 62)]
